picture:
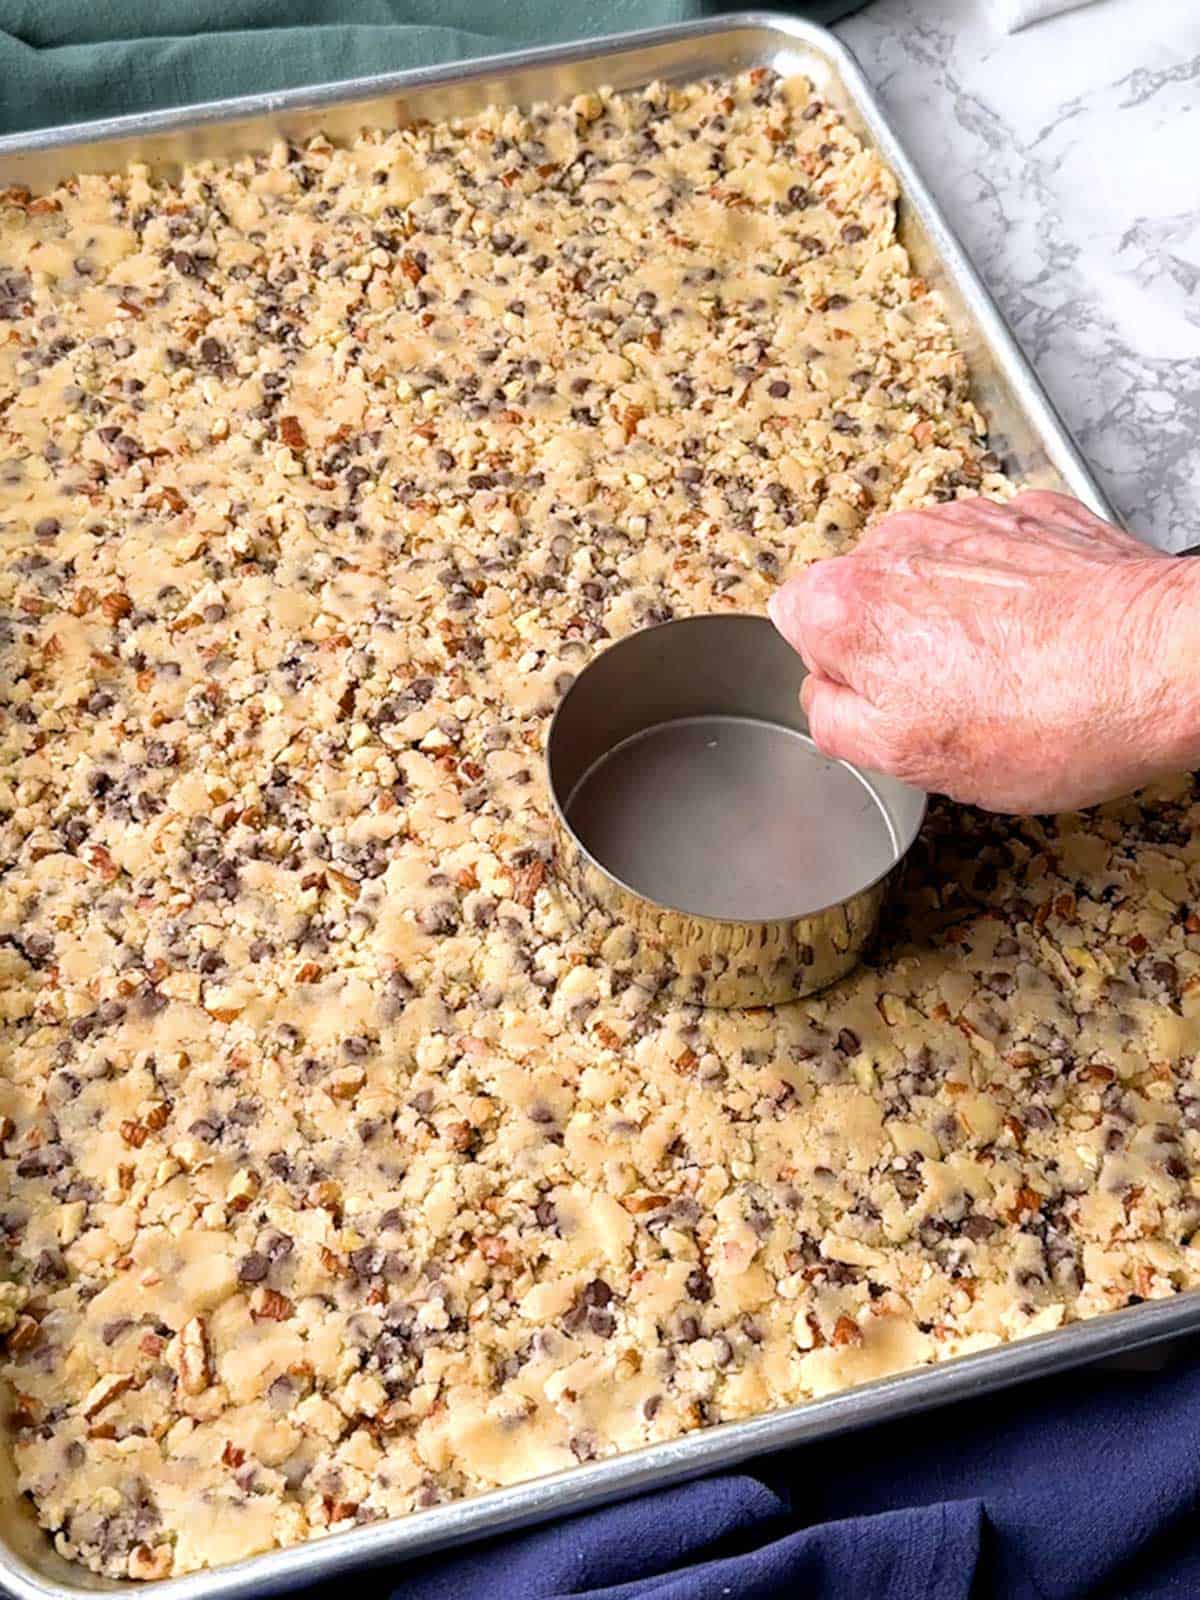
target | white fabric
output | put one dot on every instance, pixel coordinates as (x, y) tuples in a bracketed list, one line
[(1014, 14)]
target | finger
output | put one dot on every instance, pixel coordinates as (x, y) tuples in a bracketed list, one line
[(1050, 506), (1063, 510), (1026, 513), (945, 524), (951, 522), (1036, 532), (817, 614), (843, 725), (892, 532)]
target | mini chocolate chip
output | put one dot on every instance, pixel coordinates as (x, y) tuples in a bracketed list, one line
[(699, 1285), (439, 919), (253, 1268), (277, 1245)]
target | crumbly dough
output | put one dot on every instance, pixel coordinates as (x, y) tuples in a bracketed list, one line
[(338, 1178)]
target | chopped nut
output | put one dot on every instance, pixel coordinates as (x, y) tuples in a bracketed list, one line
[(25, 1333), (103, 1392), (193, 1360), (292, 433), (148, 1564), (26, 1411), (1028, 1201), (243, 1187), (270, 1305), (345, 1085), (527, 881), (387, 440), (345, 886)]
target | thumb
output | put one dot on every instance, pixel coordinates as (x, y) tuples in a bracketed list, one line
[(843, 725)]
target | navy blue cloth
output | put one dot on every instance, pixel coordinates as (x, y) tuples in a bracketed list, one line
[(1087, 1484)]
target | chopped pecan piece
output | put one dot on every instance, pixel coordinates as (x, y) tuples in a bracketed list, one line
[(292, 434), (103, 1392), (194, 1357)]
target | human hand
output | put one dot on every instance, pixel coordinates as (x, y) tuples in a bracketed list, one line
[(1025, 657)]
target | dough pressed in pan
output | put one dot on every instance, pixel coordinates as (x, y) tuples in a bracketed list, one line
[(338, 1178)]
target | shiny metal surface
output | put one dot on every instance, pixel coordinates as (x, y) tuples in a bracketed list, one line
[(704, 846), (1025, 429)]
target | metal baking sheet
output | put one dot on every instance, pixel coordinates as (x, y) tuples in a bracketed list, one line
[(1025, 430)]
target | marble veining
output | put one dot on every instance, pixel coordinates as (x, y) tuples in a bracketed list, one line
[(1067, 158)]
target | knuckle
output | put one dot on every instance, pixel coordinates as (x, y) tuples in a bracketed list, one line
[(829, 599), (1047, 504), (898, 528), (827, 582)]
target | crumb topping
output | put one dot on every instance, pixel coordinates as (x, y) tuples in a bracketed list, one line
[(338, 1177)]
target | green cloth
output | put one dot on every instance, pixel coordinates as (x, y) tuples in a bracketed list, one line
[(72, 60)]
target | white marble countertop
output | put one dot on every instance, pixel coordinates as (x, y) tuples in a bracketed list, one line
[(1067, 158)]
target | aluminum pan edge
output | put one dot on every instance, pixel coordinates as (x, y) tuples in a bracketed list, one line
[(1022, 417), (655, 1466)]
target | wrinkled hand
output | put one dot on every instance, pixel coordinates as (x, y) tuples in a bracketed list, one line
[(1023, 657)]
